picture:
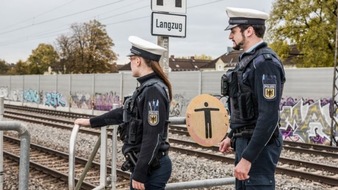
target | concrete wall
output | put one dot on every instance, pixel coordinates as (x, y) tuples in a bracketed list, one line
[(304, 108)]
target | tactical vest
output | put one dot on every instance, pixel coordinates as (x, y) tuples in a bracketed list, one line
[(131, 130), (242, 104)]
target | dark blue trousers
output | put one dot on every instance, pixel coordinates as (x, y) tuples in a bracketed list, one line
[(158, 178), (262, 172)]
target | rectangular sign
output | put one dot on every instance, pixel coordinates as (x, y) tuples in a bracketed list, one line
[(171, 6), (171, 25)]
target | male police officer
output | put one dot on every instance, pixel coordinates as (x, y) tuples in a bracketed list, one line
[(254, 88)]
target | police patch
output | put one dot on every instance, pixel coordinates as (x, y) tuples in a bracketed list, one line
[(153, 114), (153, 118), (269, 91)]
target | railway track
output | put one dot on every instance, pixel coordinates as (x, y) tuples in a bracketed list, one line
[(314, 149), (292, 167), (55, 164)]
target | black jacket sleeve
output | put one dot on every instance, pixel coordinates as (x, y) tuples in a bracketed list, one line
[(113, 117)]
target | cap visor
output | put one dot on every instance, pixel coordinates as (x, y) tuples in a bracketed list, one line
[(130, 54), (230, 27)]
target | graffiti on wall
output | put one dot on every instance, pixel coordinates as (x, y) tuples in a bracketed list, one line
[(4, 91), (106, 101), (15, 95), (100, 101), (81, 100), (306, 120), (32, 96), (178, 105), (54, 99)]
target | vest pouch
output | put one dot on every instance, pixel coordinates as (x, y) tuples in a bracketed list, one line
[(245, 105), (134, 126), (122, 131), (232, 83)]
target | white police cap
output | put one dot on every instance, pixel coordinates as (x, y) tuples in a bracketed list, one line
[(239, 16), (145, 49)]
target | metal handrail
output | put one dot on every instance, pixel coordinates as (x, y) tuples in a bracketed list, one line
[(201, 183), (177, 120), (72, 143), (24, 149), (103, 165)]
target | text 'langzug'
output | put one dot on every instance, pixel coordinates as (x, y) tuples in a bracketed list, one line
[(169, 25)]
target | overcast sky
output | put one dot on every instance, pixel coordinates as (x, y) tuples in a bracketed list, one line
[(25, 24)]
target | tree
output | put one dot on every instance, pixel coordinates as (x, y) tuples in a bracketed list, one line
[(41, 58), (87, 50), (308, 24), (4, 67), (20, 68), (66, 51)]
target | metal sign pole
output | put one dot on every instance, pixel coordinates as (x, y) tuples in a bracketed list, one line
[(334, 107), (163, 41)]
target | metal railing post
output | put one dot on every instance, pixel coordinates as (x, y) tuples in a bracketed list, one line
[(72, 143), (24, 150), (113, 159), (103, 159)]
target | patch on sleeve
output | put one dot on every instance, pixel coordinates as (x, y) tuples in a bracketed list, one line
[(269, 86), (153, 114)]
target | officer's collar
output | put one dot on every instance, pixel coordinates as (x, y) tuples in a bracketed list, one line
[(144, 78), (253, 49), (254, 46)]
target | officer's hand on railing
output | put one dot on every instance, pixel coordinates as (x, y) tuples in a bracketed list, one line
[(82, 121)]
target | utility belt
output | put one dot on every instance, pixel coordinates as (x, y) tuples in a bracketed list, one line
[(132, 157), (246, 132)]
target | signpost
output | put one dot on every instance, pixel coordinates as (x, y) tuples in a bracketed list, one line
[(165, 25)]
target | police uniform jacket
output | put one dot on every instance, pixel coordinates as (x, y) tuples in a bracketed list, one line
[(153, 108), (263, 77)]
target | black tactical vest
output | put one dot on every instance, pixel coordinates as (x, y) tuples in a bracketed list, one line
[(131, 130), (242, 104)]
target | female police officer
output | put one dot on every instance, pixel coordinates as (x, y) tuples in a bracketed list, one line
[(143, 119), (255, 91)]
